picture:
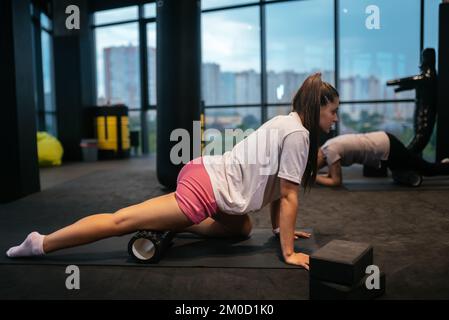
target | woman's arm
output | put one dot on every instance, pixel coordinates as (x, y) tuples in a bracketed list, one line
[(333, 178), (287, 223), (275, 208)]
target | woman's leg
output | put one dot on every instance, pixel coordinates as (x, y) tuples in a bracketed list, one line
[(223, 225), (403, 159), (160, 213), (399, 156)]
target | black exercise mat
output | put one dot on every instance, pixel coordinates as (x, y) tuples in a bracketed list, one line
[(261, 250), (387, 184)]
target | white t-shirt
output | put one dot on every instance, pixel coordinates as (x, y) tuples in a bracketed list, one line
[(247, 177), (363, 148)]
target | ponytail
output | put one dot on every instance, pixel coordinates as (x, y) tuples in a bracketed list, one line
[(311, 96)]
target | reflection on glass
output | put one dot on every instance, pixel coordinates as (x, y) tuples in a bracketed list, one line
[(150, 10), (209, 4), (117, 50), (370, 56), (151, 52), (231, 64), (152, 130), (116, 15), (431, 9), (294, 49), (220, 119), (46, 43)]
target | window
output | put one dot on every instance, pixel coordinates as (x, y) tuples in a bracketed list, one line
[(150, 10), (47, 70), (152, 130), (370, 57), (278, 110), (300, 40), (45, 22), (395, 118), (151, 56), (210, 4), (232, 118), (431, 14), (116, 15), (50, 124), (231, 64), (295, 49), (119, 73), (118, 69), (221, 119), (44, 76)]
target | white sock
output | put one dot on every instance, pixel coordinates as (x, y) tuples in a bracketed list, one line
[(32, 246)]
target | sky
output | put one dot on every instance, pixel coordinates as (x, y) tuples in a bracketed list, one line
[(300, 36)]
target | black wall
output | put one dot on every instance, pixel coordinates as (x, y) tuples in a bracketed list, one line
[(74, 76), (19, 171)]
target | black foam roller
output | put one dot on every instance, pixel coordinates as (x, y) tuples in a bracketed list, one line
[(149, 246)]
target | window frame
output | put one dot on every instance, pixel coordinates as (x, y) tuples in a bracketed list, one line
[(37, 29), (145, 105)]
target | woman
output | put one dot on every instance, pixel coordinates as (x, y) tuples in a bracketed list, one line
[(214, 194), (371, 149)]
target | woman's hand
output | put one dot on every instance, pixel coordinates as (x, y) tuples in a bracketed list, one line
[(299, 259), (301, 234)]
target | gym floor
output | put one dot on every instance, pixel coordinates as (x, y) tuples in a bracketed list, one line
[(408, 228)]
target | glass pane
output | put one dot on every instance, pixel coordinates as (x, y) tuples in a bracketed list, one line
[(231, 64), (294, 49), (150, 10), (369, 56), (134, 121), (116, 15), (151, 52), (45, 21), (50, 124), (47, 71), (277, 111), (152, 130), (209, 4), (431, 13), (395, 118), (118, 70), (228, 118), (135, 131), (429, 152), (134, 125)]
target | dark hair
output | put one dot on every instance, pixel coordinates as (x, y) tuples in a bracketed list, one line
[(313, 94)]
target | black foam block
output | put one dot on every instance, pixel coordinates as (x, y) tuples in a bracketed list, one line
[(323, 290), (342, 262)]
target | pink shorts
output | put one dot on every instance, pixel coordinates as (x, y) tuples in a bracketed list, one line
[(194, 192)]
